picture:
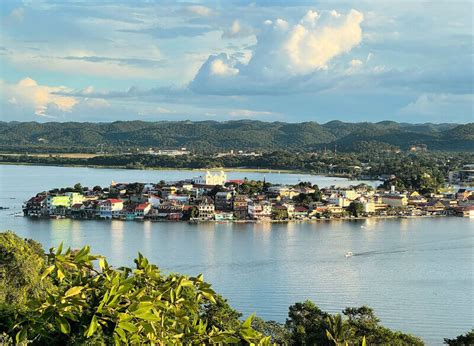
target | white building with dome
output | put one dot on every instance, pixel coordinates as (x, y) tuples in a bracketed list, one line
[(209, 178)]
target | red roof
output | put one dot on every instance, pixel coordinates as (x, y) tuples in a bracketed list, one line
[(76, 206), (142, 206), (113, 200), (236, 181)]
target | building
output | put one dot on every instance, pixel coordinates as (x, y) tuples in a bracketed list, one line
[(206, 209), (349, 194), (142, 209), (240, 206), (223, 200), (110, 208), (395, 200), (259, 211), (211, 179), (36, 206), (223, 216)]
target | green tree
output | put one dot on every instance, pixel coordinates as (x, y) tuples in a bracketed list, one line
[(78, 187), (277, 332), (306, 323), (21, 265), (356, 208), (461, 340), (138, 306)]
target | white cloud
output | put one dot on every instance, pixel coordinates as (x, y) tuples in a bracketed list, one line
[(283, 52), (310, 18), (40, 99), (199, 10), (310, 48), (355, 65), (220, 68), (238, 29)]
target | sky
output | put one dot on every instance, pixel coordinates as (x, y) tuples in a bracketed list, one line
[(291, 61)]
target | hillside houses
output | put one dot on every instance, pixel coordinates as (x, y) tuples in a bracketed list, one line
[(240, 201)]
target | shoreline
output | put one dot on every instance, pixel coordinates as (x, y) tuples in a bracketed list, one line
[(262, 221), (226, 169)]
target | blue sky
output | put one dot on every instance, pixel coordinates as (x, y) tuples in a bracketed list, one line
[(407, 61)]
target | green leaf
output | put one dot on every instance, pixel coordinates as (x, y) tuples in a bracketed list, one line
[(60, 249), (209, 296), (147, 316), (121, 334), (129, 327), (63, 324), (21, 336), (103, 264), (92, 327), (73, 291), (47, 272), (248, 321)]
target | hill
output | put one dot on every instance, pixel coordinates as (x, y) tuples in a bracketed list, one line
[(212, 136)]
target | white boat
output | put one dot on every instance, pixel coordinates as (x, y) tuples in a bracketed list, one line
[(349, 254)]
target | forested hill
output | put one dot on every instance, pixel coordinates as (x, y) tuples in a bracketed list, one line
[(211, 136)]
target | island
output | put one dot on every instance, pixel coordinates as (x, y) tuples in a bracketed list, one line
[(213, 197)]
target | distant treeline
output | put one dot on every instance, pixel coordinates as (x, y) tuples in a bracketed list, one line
[(212, 136), (425, 171)]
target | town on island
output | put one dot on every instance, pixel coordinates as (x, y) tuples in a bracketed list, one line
[(212, 197)]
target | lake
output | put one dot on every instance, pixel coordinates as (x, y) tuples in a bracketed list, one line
[(417, 274)]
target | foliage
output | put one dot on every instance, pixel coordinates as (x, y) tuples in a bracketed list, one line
[(461, 340), (212, 136), (21, 264), (277, 332), (106, 305), (356, 208), (66, 297), (306, 323), (309, 325)]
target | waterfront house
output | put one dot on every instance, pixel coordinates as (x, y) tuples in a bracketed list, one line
[(206, 209), (78, 210), (142, 209), (300, 212), (260, 210), (223, 216), (36, 206), (240, 206), (109, 208), (223, 200)]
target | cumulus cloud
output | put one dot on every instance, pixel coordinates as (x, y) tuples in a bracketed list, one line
[(284, 51), (39, 99), (238, 29), (220, 68)]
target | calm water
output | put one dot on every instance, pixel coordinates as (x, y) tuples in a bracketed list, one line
[(417, 274)]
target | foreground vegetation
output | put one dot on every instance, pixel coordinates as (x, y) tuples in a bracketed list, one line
[(66, 297)]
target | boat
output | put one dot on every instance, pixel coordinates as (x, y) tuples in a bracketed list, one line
[(349, 254)]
